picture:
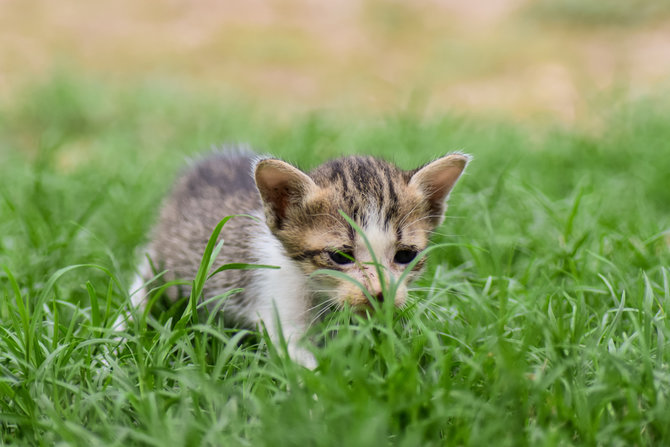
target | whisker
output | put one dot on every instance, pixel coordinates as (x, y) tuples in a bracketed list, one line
[(406, 216), (322, 304), (323, 311), (429, 216), (443, 234)]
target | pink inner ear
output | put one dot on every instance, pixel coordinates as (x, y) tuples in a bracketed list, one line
[(271, 178), (273, 183), (439, 177), (280, 177), (280, 184), (444, 180)]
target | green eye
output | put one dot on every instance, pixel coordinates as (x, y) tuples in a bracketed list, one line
[(404, 256), (341, 257)]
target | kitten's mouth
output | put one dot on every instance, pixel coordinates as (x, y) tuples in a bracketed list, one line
[(363, 310)]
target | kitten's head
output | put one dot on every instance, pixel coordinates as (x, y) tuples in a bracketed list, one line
[(397, 211)]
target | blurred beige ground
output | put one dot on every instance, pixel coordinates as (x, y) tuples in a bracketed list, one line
[(548, 59)]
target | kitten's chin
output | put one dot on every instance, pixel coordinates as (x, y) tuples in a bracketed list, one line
[(363, 310), (352, 298), (366, 308)]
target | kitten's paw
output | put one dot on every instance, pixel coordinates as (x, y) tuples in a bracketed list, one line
[(302, 356)]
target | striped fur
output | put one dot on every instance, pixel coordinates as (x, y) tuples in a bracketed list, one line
[(300, 228)]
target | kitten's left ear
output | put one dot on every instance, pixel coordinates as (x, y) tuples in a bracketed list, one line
[(436, 180), (282, 188)]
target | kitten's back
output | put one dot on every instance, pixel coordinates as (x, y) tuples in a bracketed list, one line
[(214, 187), (223, 178)]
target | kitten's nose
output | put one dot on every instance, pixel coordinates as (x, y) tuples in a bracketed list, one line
[(380, 297)]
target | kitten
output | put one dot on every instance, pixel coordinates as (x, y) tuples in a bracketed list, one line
[(300, 230)]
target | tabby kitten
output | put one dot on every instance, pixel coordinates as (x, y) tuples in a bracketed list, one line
[(301, 230)]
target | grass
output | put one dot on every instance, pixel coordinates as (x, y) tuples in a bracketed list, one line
[(543, 323), (595, 13)]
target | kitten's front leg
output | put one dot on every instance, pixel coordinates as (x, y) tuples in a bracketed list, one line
[(288, 316), (301, 355)]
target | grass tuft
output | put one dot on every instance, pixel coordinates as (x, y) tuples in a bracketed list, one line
[(541, 319)]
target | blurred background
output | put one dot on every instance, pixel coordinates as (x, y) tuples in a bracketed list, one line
[(549, 60)]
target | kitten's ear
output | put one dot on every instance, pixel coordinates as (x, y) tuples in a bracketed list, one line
[(281, 186), (436, 179)]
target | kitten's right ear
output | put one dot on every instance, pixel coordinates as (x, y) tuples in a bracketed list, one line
[(436, 179), (281, 186)]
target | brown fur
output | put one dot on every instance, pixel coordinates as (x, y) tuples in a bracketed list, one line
[(303, 230)]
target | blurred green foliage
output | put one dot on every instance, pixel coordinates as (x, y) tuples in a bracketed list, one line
[(599, 12)]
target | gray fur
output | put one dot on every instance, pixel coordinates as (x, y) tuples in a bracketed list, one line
[(213, 188), (298, 227)]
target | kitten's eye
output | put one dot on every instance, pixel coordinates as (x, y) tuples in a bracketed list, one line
[(404, 256), (341, 257)]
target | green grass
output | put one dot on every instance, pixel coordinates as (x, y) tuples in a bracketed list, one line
[(543, 323), (590, 13)]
